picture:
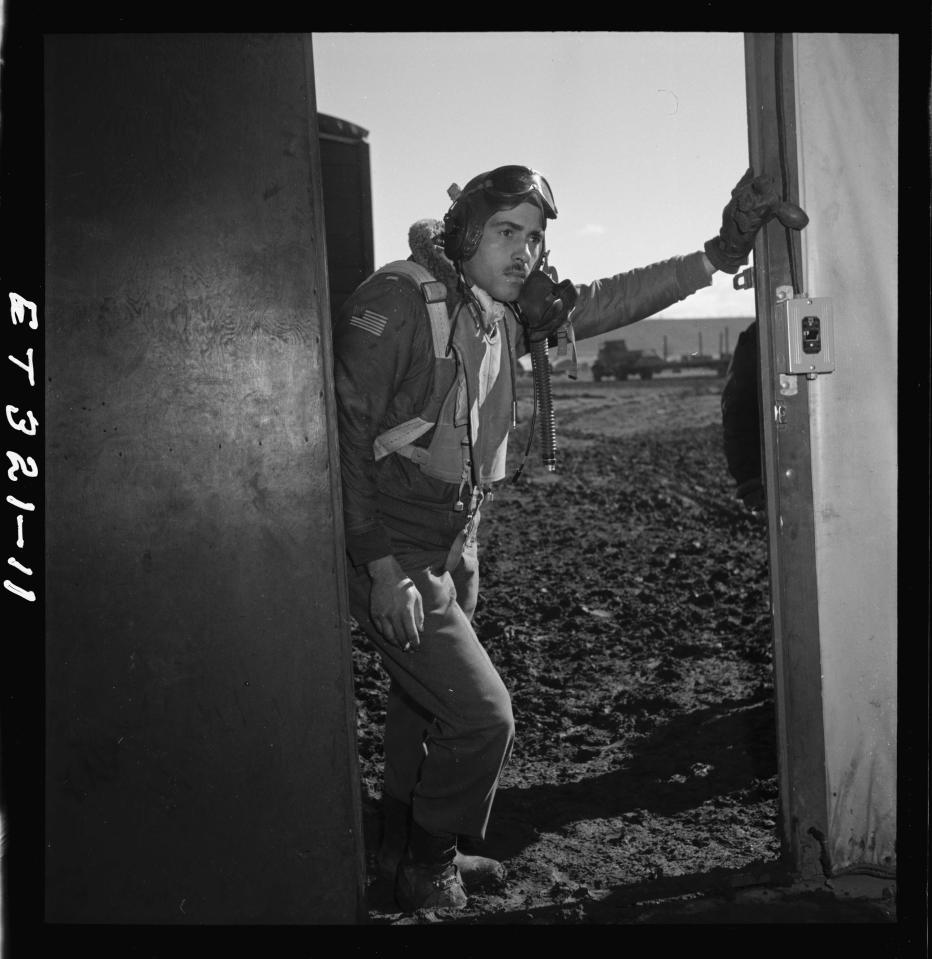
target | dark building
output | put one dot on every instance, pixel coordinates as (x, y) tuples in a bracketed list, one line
[(344, 159)]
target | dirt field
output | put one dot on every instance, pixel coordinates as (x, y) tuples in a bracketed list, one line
[(625, 601)]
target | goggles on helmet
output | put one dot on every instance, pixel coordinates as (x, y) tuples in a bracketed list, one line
[(511, 184)]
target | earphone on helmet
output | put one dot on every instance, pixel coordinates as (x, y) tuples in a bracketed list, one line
[(545, 305), (499, 189)]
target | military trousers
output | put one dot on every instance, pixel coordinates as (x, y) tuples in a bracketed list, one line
[(449, 727)]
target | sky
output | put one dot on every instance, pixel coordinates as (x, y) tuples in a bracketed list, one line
[(642, 136)]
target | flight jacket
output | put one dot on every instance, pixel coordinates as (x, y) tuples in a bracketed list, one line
[(384, 373)]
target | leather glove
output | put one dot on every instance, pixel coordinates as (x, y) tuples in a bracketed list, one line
[(753, 203), (545, 305)]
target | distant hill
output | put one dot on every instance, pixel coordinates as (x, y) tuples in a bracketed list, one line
[(711, 335)]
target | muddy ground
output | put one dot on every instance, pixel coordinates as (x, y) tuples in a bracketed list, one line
[(625, 601)]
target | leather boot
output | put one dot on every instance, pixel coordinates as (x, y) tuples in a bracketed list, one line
[(428, 877), (477, 872)]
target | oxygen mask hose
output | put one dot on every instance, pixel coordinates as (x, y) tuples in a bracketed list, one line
[(540, 367)]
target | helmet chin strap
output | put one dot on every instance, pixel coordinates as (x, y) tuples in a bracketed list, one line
[(492, 309), (473, 298)]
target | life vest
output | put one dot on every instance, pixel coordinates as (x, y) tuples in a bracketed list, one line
[(461, 371)]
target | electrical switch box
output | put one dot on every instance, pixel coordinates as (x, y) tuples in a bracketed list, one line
[(805, 335)]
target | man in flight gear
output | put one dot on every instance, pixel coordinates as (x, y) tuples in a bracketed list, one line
[(425, 357)]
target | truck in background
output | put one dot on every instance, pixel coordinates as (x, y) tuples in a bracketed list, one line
[(617, 362)]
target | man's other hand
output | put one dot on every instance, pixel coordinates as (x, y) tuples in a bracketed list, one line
[(395, 604)]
